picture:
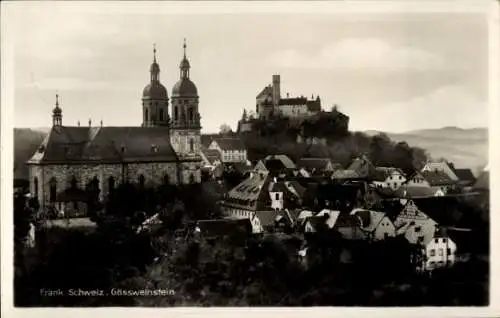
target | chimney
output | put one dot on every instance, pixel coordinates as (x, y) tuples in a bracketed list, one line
[(101, 122)]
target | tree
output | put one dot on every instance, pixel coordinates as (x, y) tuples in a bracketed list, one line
[(225, 129)]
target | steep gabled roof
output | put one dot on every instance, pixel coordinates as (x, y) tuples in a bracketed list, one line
[(369, 220), (285, 160), (105, 145), (382, 173), (318, 164), (212, 155), (416, 192), (345, 174), (230, 143), (266, 91), (437, 178), (465, 175), (252, 193)]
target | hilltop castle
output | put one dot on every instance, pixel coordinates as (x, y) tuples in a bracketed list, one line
[(162, 150)]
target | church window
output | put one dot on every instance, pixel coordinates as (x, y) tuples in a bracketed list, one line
[(141, 180), (146, 115), (176, 113), (35, 186), (111, 184), (191, 145), (191, 179), (53, 190), (73, 182), (190, 114), (166, 179), (161, 114)]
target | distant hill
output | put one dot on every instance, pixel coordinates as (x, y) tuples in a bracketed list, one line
[(466, 148), (26, 141)]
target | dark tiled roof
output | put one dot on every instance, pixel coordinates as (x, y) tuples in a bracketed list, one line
[(319, 164), (416, 192), (206, 139), (465, 175), (252, 193), (346, 220), (360, 163), (297, 187), (446, 211), (345, 174), (267, 218), (293, 101), (224, 227), (317, 222), (105, 144), (241, 167), (437, 178), (230, 143), (212, 155), (285, 160)]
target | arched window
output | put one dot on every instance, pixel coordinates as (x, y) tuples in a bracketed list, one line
[(191, 179), (176, 113), (191, 145), (141, 180), (95, 183), (35, 186), (161, 114), (111, 184), (73, 183), (166, 179), (53, 189), (190, 114), (146, 117)]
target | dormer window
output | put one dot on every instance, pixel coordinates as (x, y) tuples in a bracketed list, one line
[(123, 149), (154, 148)]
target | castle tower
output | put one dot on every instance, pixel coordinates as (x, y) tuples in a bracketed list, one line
[(276, 91), (155, 99), (57, 114), (185, 133)]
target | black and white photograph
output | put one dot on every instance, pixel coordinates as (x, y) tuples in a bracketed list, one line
[(260, 154)]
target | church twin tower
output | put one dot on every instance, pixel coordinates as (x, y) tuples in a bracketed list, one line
[(184, 121)]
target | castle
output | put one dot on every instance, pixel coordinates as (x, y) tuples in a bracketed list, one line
[(163, 150), (270, 102)]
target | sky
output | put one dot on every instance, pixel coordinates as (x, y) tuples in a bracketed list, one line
[(393, 72)]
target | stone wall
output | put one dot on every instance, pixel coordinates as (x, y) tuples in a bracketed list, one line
[(153, 173)]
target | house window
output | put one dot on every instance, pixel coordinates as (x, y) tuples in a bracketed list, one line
[(141, 180), (35, 185), (386, 235), (400, 178), (440, 252), (436, 241), (418, 229), (191, 179), (277, 196), (433, 252), (166, 179), (161, 114), (53, 190), (191, 145)]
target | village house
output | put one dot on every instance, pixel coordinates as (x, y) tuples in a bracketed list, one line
[(324, 220), (376, 225), (362, 166), (232, 149), (442, 166), (416, 226), (439, 179), (439, 252), (211, 158), (285, 194), (388, 177)]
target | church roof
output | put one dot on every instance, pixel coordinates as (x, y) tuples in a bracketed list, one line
[(154, 90), (105, 145), (184, 88)]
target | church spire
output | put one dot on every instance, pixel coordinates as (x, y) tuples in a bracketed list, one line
[(184, 63), (57, 113), (155, 68)]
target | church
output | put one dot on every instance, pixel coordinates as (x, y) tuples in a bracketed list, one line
[(165, 149)]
